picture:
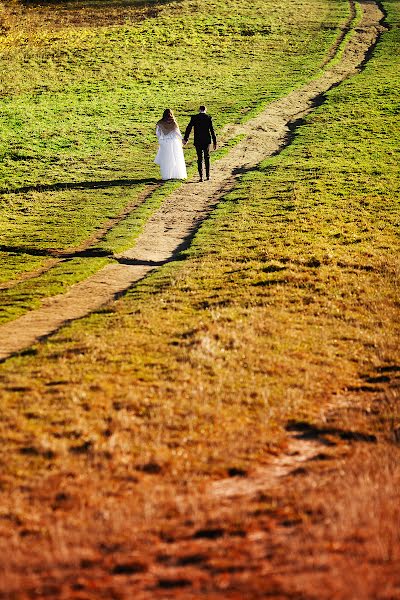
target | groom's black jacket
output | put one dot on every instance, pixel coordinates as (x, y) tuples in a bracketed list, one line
[(203, 130)]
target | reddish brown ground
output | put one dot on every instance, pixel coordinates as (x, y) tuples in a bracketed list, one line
[(320, 521)]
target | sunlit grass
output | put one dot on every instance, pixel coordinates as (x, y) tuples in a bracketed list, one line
[(81, 93)]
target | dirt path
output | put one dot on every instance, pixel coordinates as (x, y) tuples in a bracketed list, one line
[(174, 223)]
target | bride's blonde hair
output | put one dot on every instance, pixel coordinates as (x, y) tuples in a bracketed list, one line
[(168, 120)]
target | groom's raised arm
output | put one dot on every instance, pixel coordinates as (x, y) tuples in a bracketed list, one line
[(188, 130)]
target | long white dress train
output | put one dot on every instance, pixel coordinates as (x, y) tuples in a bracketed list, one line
[(170, 156)]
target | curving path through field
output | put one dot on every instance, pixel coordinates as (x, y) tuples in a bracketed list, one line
[(172, 226)]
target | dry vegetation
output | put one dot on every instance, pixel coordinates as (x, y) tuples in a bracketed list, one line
[(276, 333), (30, 16)]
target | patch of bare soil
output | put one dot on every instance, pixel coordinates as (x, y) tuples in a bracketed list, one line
[(173, 225)]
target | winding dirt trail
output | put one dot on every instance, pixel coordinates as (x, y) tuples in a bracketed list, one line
[(174, 223)]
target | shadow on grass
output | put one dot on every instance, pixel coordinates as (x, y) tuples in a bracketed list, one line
[(244, 170), (54, 253), (306, 431), (136, 262), (100, 4), (79, 185)]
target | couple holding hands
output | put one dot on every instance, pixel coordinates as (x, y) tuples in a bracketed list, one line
[(170, 152)]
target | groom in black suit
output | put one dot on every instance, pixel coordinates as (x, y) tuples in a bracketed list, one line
[(203, 132)]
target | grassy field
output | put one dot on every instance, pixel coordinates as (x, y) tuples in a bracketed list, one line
[(285, 305), (80, 99), (286, 294)]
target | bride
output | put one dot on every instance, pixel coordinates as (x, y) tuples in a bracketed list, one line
[(170, 152)]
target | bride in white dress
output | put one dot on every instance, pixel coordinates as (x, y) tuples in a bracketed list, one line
[(170, 152)]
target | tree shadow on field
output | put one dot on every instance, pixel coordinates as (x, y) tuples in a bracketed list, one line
[(80, 185)]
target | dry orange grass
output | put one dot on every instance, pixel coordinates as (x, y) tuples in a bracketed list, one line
[(329, 531), (348, 545)]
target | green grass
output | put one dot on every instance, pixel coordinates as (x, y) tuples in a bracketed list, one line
[(79, 104), (286, 299), (27, 295)]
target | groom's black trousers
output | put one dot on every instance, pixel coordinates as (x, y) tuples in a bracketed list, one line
[(203, 151)]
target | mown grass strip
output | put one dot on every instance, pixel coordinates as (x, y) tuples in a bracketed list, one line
[(335, 53)]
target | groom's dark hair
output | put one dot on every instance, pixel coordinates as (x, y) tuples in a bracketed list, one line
[(202, 108)]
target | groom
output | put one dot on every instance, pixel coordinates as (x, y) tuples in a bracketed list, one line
[(203, 132)]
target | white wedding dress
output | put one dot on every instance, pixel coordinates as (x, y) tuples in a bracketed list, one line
[(170, 156)]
